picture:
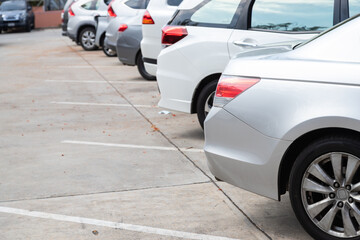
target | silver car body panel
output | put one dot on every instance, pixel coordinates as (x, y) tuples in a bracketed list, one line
[(313, 87), (101, 25), (128, 42), (123, 13)]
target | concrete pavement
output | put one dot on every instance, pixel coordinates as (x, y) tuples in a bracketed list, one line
[(86, 155)]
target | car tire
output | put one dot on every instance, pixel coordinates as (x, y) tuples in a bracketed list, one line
[(322, 188), (28, 27), (87, 39), (142, 70), (108, 52), (205, 101)]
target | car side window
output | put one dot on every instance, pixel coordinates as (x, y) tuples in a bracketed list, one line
[(209, 13), (136, 4), (216, 12), (354, 7), (292, 16), (90, 5), (174, 2)]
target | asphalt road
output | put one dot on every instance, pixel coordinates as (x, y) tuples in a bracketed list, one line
[(85, 154)]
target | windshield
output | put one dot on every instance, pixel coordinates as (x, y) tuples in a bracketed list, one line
[(327, 31), (13, 5)]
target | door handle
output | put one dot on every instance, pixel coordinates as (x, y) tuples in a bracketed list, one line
[(244, 44)]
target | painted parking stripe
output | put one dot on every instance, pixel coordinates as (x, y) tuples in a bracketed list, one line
[(97, 81), (132, 146), (116, 225), (104, 104)]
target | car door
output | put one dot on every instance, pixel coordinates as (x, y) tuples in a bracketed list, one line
[(274, 21), (209, 25)]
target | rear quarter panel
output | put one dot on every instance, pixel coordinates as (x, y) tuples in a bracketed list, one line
[(319, 95)]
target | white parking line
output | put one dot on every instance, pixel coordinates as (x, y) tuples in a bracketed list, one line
[(96, 81), (103, 104), (116, 225), (133, 146)]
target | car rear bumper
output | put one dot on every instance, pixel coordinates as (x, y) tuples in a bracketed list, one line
[(109, 44), (128, 44), (177, 80), (71, 36), (241, 155), (151, 68)]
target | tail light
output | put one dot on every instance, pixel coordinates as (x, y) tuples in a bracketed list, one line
[(111, 10), (171, 35), (123, 27), (147, 19), (231, 86), (71, 12)]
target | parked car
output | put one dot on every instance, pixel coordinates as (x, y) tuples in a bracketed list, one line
[(81, 24), (290, 122), (158, 14), (16, 14), (102, 22), (205, 34), (118, 11), (65, 17), (128, 41)]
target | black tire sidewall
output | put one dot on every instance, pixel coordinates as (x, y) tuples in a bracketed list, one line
[(203, 96), (80, 38), (302, 162), (142, 70), (106, 53)]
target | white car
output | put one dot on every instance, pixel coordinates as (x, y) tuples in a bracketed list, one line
[(81, 24), (205, 34), (290, 122), (158, 14)]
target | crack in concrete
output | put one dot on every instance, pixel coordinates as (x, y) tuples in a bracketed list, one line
[(172, 143), (104, 192)]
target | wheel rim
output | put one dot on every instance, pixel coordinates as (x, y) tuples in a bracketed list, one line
[(330, 194), (110, 52), (88, 39), (209, 103)]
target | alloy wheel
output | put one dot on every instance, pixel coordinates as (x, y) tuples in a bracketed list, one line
[(330, 192), (88, 39)]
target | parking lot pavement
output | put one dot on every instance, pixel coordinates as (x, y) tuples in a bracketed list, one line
[(86, 155)]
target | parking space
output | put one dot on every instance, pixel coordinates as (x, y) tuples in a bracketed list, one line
[(87, 154)]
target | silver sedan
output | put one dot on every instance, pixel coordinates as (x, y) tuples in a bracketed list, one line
[(290, 122)]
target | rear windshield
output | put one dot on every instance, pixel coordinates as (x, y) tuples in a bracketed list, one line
[(137, 4), (174, 2), (327, 31), (13, 6), (209, 13)]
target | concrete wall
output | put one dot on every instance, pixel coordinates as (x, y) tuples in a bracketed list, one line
[(46, 19)]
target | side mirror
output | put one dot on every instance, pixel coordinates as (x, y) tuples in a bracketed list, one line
[(29, 8)]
